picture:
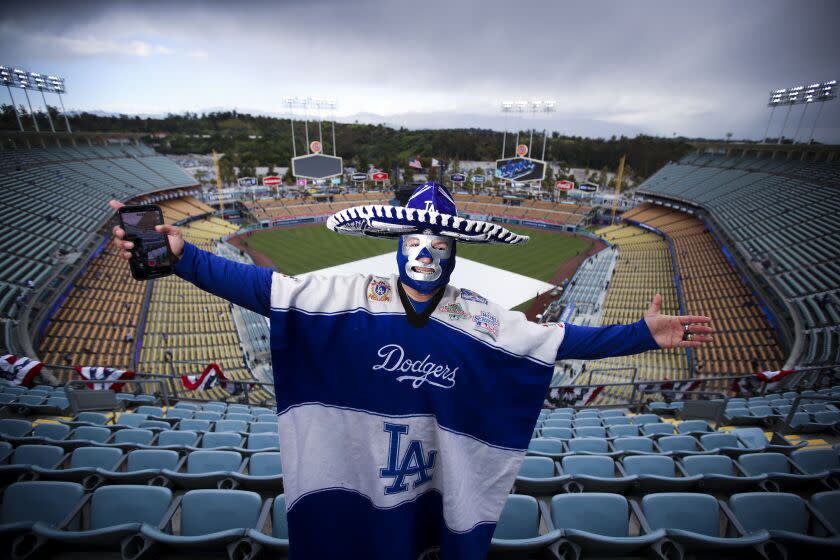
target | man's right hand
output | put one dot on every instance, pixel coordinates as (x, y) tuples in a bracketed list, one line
[(176, 241)]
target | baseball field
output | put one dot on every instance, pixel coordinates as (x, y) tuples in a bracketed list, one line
[(307, 248)]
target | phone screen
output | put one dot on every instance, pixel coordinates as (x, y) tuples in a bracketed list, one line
[(151, 256)]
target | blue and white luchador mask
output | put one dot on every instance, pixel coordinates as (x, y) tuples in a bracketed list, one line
[(425, 277)]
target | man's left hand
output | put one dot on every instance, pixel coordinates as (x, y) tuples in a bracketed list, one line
[(672, 331)]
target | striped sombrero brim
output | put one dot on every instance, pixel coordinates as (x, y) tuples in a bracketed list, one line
[(377, 220)]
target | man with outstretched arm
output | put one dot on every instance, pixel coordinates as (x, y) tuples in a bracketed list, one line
[(405, 404)]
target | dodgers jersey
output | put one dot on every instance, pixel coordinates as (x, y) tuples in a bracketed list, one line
[(396, 440)]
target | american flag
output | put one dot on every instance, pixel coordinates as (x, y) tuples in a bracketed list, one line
[(20, 371), (414, 163), (105, 376), (435, 163)]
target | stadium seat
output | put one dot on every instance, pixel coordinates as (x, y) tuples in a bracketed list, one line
[(546, 446), (218, 408), (205, 414), (727, 444), (14, 428), (720, 474), (754, 438), (693, 521), (642, 419), (633, 445), (557, 423), (817, 461), (86, 435), (597, 524), (177, 439), (657, 473), (155, 411), (679, 446), (594, 445), (116, 513), (25, 503), (265, 473), (657, 429), (780, 471), (787, 518), (27, 456), (238, 409), (618, 421), (186, 405), (238, 416), (693, 427), (131, 419), (179, 413), (613, 413), (827, 505), (557, 433), (143, 466), (132, 437), (586, 422), (210, 519), (589, 413), (623, 431), (267, 417), (82, 466), (594, 474), (263, 427), (205, 468), (214, 440), (194, 425), (89, 419), (278, 541), (5, 451), (538, 477), (156, 425), (591, 432), (518, 528), (263, 442), (231, 426)]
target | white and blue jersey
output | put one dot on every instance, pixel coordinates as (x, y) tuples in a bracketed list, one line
[(398, 439)]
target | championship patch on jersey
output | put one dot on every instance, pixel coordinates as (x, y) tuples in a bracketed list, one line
[(379, 290), (455, 311), (486, 323), (549, 325), (470, 295)]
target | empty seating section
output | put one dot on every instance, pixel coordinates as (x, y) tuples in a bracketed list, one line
[(571, 214), (711, 287), (588, 286), (643, 269), (190, 325), (41, 222), (782, 215)]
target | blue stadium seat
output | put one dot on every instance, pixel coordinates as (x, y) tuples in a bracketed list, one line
[(214, 440), (817, 461), (557, 423), (156, 425), (538, 477), (679, 446), (567, 413), (720, 474), (263, 428), (518, 529), (642, 419), (587, 422), (143, 466), (278, 541), (594, 474), (267, 417), (5, 452), (693, 427), (546, 447), (194, 425), (15, 428), (754, 438), (623, 431), (177, 439), (590, 445), (205, 469), (613, 413), (239, 416), (633, 445), (205, 414), (558, 433), (25, 503), (90, 419), (597, 524), (693, 521), (725, 443), (217, 407), (657, 473), (49, 432), (238, 409), (82, 466), (263, 442), (210, 519), (787, 518), (827, 505), (780, 471), (179, 413), (131, 419), (132, 437), (116, 513), (231, 426), (591, 432), (657, 429), (91, 434), (265, 472), (27, 456), (155, 411), (186, 405), (587, 413), (618, 421)]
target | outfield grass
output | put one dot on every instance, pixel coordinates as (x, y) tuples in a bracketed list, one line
[(307, 248)]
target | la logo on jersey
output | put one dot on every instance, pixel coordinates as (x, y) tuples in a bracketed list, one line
[(413, 462)]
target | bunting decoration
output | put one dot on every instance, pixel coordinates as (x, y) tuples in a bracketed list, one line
[(20, 371), (211, 377), (105, 378)]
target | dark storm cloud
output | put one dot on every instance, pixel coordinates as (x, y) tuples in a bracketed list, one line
[(691, 67)]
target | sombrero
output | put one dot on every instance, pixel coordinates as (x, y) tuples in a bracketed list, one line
[(430, 210)]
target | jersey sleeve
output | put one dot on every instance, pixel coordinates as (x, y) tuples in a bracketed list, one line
[(593, 343), (248, 286)]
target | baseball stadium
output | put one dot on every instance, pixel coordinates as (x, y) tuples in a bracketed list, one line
[(144, 418)]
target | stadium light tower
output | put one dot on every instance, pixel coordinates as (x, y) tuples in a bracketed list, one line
[(814, 93), (25, 80)]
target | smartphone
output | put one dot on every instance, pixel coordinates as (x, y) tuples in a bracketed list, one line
[(151, 256)]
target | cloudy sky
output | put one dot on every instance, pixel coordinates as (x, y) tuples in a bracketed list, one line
[(698, 68)]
